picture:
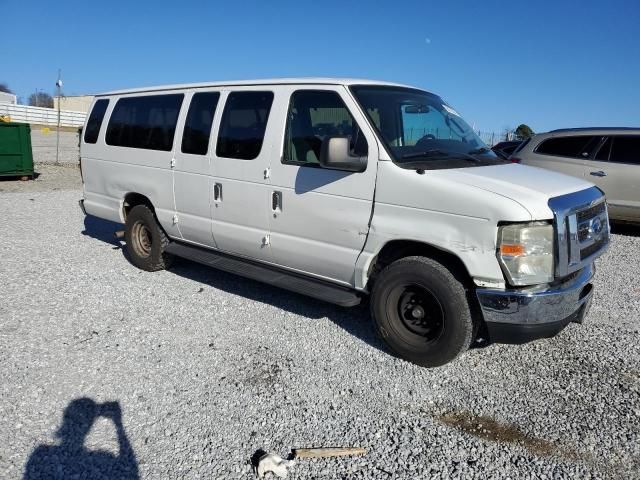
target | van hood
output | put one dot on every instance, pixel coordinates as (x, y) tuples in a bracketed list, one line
[(531, 187)]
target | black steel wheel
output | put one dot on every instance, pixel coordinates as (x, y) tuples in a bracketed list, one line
[(421, 311)]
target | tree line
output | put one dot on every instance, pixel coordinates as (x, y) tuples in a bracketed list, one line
[(36, 99)]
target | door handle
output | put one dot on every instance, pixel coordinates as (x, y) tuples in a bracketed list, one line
[(217, 192), (276, 201), (599, 173)]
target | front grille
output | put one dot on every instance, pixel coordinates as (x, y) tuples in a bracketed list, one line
[(582, 226), (593, 230), (589, 213), (591, 249), (583, 232)]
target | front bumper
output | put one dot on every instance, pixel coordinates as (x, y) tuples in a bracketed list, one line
[(520, 316)]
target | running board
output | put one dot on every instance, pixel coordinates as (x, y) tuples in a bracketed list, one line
[(263, 273)]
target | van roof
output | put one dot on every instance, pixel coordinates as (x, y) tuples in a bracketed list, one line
[(270, 81)]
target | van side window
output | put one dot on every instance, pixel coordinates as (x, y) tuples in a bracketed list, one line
[(95, 121), (145, 122), (579, 146), (313, 116), (197, 127), (243, 124), (626, 149)]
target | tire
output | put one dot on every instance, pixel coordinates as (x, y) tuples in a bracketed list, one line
[(146, 241), (421, 311)]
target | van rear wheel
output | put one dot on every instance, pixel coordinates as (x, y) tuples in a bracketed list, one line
[(421, 311), (146, 241)]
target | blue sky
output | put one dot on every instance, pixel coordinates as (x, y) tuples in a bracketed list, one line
[(549, 64)]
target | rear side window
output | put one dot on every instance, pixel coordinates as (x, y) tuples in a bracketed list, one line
[(197, 127), (626, 149), (573, 147), (243, 124), (603, 153), (147, 122), (95, 121)]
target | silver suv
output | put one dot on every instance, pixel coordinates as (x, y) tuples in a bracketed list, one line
[(608, 157)]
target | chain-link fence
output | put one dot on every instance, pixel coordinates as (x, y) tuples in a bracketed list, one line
[(491, 138)]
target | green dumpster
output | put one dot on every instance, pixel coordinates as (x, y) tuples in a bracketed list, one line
[(16, 156)]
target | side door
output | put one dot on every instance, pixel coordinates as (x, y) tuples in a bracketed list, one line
[(320, 217), (240, 164), (615, 169), (193, 183)]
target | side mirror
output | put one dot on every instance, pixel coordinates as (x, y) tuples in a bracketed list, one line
[(335, 155)]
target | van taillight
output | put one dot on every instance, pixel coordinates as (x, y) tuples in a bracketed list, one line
[(515, 160)]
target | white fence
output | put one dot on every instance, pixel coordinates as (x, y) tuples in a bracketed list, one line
[(42, 116)]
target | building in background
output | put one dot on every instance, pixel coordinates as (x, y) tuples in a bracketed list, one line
[(76, 103), (8, 98)]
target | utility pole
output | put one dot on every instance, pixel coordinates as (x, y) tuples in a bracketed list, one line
[(59, 88)]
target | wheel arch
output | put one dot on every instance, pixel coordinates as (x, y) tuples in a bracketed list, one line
[(132, 199), (396, 249)]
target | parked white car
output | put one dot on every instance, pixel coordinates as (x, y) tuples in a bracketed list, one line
[(339, 189)]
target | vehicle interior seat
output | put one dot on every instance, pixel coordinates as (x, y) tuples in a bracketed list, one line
[(306, 146)]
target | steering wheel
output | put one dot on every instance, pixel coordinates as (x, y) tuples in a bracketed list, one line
[(426, 138)]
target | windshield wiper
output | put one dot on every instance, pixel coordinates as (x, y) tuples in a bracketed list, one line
[(427, 153), (441, 155)]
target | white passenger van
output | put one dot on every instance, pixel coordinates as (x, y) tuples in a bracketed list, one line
[(338, 189)]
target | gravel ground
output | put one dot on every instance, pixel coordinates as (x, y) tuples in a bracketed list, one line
[(48, 178), (43, 144), (205, 368)]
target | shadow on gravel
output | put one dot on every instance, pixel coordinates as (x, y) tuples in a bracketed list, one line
[(102, 230), (19, 178), (70, 459), (354, 320), (627, 229)]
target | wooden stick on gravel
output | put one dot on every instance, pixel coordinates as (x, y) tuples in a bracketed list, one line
[(327, 452)]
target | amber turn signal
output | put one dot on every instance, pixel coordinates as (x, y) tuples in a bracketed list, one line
[(512, 250)]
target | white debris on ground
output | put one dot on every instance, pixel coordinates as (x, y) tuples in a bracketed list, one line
[(272, 463)]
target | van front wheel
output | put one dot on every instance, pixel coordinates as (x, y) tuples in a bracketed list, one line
[(146, 241), (421, 311)]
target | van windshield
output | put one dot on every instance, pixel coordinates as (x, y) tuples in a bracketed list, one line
[(420, 130)]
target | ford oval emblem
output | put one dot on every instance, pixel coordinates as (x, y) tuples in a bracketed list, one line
[(595, 226)]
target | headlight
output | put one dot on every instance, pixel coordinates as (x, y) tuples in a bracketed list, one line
[(525, 252)]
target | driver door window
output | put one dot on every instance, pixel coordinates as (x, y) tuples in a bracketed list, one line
[(313, 116)]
